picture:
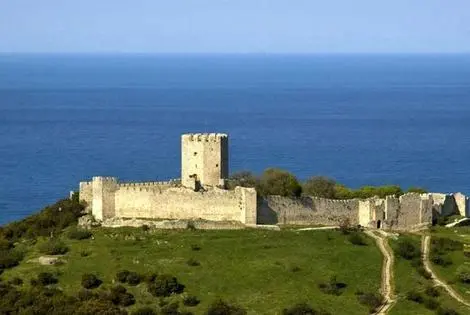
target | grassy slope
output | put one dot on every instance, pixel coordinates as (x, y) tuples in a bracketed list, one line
[(407, 279), (252, 268), (449, 273)]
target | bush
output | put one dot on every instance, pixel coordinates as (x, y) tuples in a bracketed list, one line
[(302, 309), (279, 182), (46, 278), (121, 276), (357, 239), (431, 304), (119, 296), (144, 311), (418, 190), (423, 272), (220, 307), (446, 311), (79, 234), (320, 186), (16, 281), (51, 220), (133, 278), (415, 296), (10, 258), (333, 287), (242, 179), (170, 309), (90, 281), (195, 247), (191, 300), (193, 262), (463, 274), (407, 249), (372, 300), (165, 285), (432, 292), (441, 260), (443, 245), (53, 247)]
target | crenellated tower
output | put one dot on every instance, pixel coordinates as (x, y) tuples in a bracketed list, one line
[(204, 159)]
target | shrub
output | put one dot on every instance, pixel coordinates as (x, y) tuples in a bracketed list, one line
[(193, 262), (431, 304), (53, 247), (133, 278), (442, 245), (121, 276), (144, 311), (302, 309), (345, 226), (372, 300), (10, 258), (463, 274), (90, 281), (84, 253), (46, 278), (418, 190), (423, 272), (79, 234), (279, 182), (5, 244), (195, 247), (446, 311), (85, 295), (333, 287), (16, 281), (357, 239), (441, 260), (432, 292), (191, 300), (407, 249), (220, 307), (170, 309), (145, 228), (415, 296), (119, 296), (242, 179), (320, 186), (165, 285)]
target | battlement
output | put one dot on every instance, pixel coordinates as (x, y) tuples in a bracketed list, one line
[(105, 179), (204, 137), (171, 182)]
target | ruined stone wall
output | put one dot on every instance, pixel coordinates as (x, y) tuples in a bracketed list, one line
[(307, 211), (86, 194), (182, 203)]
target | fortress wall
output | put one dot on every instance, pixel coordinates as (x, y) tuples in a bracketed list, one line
[(104, 189), (392, 211), (410, 210), (444, 204), (307, 211), (461, 203), (181, 203), (426, 211), (86, 193)]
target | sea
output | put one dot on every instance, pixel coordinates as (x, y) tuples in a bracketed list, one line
[(360, 119)]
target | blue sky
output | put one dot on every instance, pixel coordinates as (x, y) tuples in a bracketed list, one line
[(235, 26)]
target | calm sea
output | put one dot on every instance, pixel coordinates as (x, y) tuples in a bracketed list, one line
[(361, 119)]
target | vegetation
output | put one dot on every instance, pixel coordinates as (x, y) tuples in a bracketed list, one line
[(221, 307), (53, 247), (275, 181), (79, 234)]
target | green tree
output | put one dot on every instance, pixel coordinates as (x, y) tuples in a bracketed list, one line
[(275, 181), (320, 186), (243, 179)]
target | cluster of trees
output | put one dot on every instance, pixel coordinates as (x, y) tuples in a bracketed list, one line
[(274, 181)]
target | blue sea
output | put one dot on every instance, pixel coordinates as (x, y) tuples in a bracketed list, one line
[(361, 119)]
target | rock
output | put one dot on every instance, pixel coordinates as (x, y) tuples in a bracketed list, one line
[(88, 221), (50, 260)]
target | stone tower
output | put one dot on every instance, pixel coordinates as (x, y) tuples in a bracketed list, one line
[(204, 159)]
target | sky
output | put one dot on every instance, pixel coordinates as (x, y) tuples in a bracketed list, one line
[(235, 26)]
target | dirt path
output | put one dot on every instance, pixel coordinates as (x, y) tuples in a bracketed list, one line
[(387, 273), (425, 245)]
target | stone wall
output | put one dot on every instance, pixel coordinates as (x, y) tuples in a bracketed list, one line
[(86, 194), (167, 200), (306, 211)]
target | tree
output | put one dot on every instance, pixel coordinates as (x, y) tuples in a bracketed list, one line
[(275, 181), (243, 179), (320, 186)]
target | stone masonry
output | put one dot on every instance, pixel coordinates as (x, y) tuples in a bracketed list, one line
[(200, 196)]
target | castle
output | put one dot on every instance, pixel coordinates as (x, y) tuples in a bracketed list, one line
[(201, 195)]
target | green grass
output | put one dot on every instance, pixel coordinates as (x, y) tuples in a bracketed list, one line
[(449, 273), (262, 271), (406, 279)]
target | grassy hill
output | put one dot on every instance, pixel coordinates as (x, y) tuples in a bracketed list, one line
[(261, 271)]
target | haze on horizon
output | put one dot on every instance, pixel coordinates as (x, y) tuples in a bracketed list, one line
[(236, 26)]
